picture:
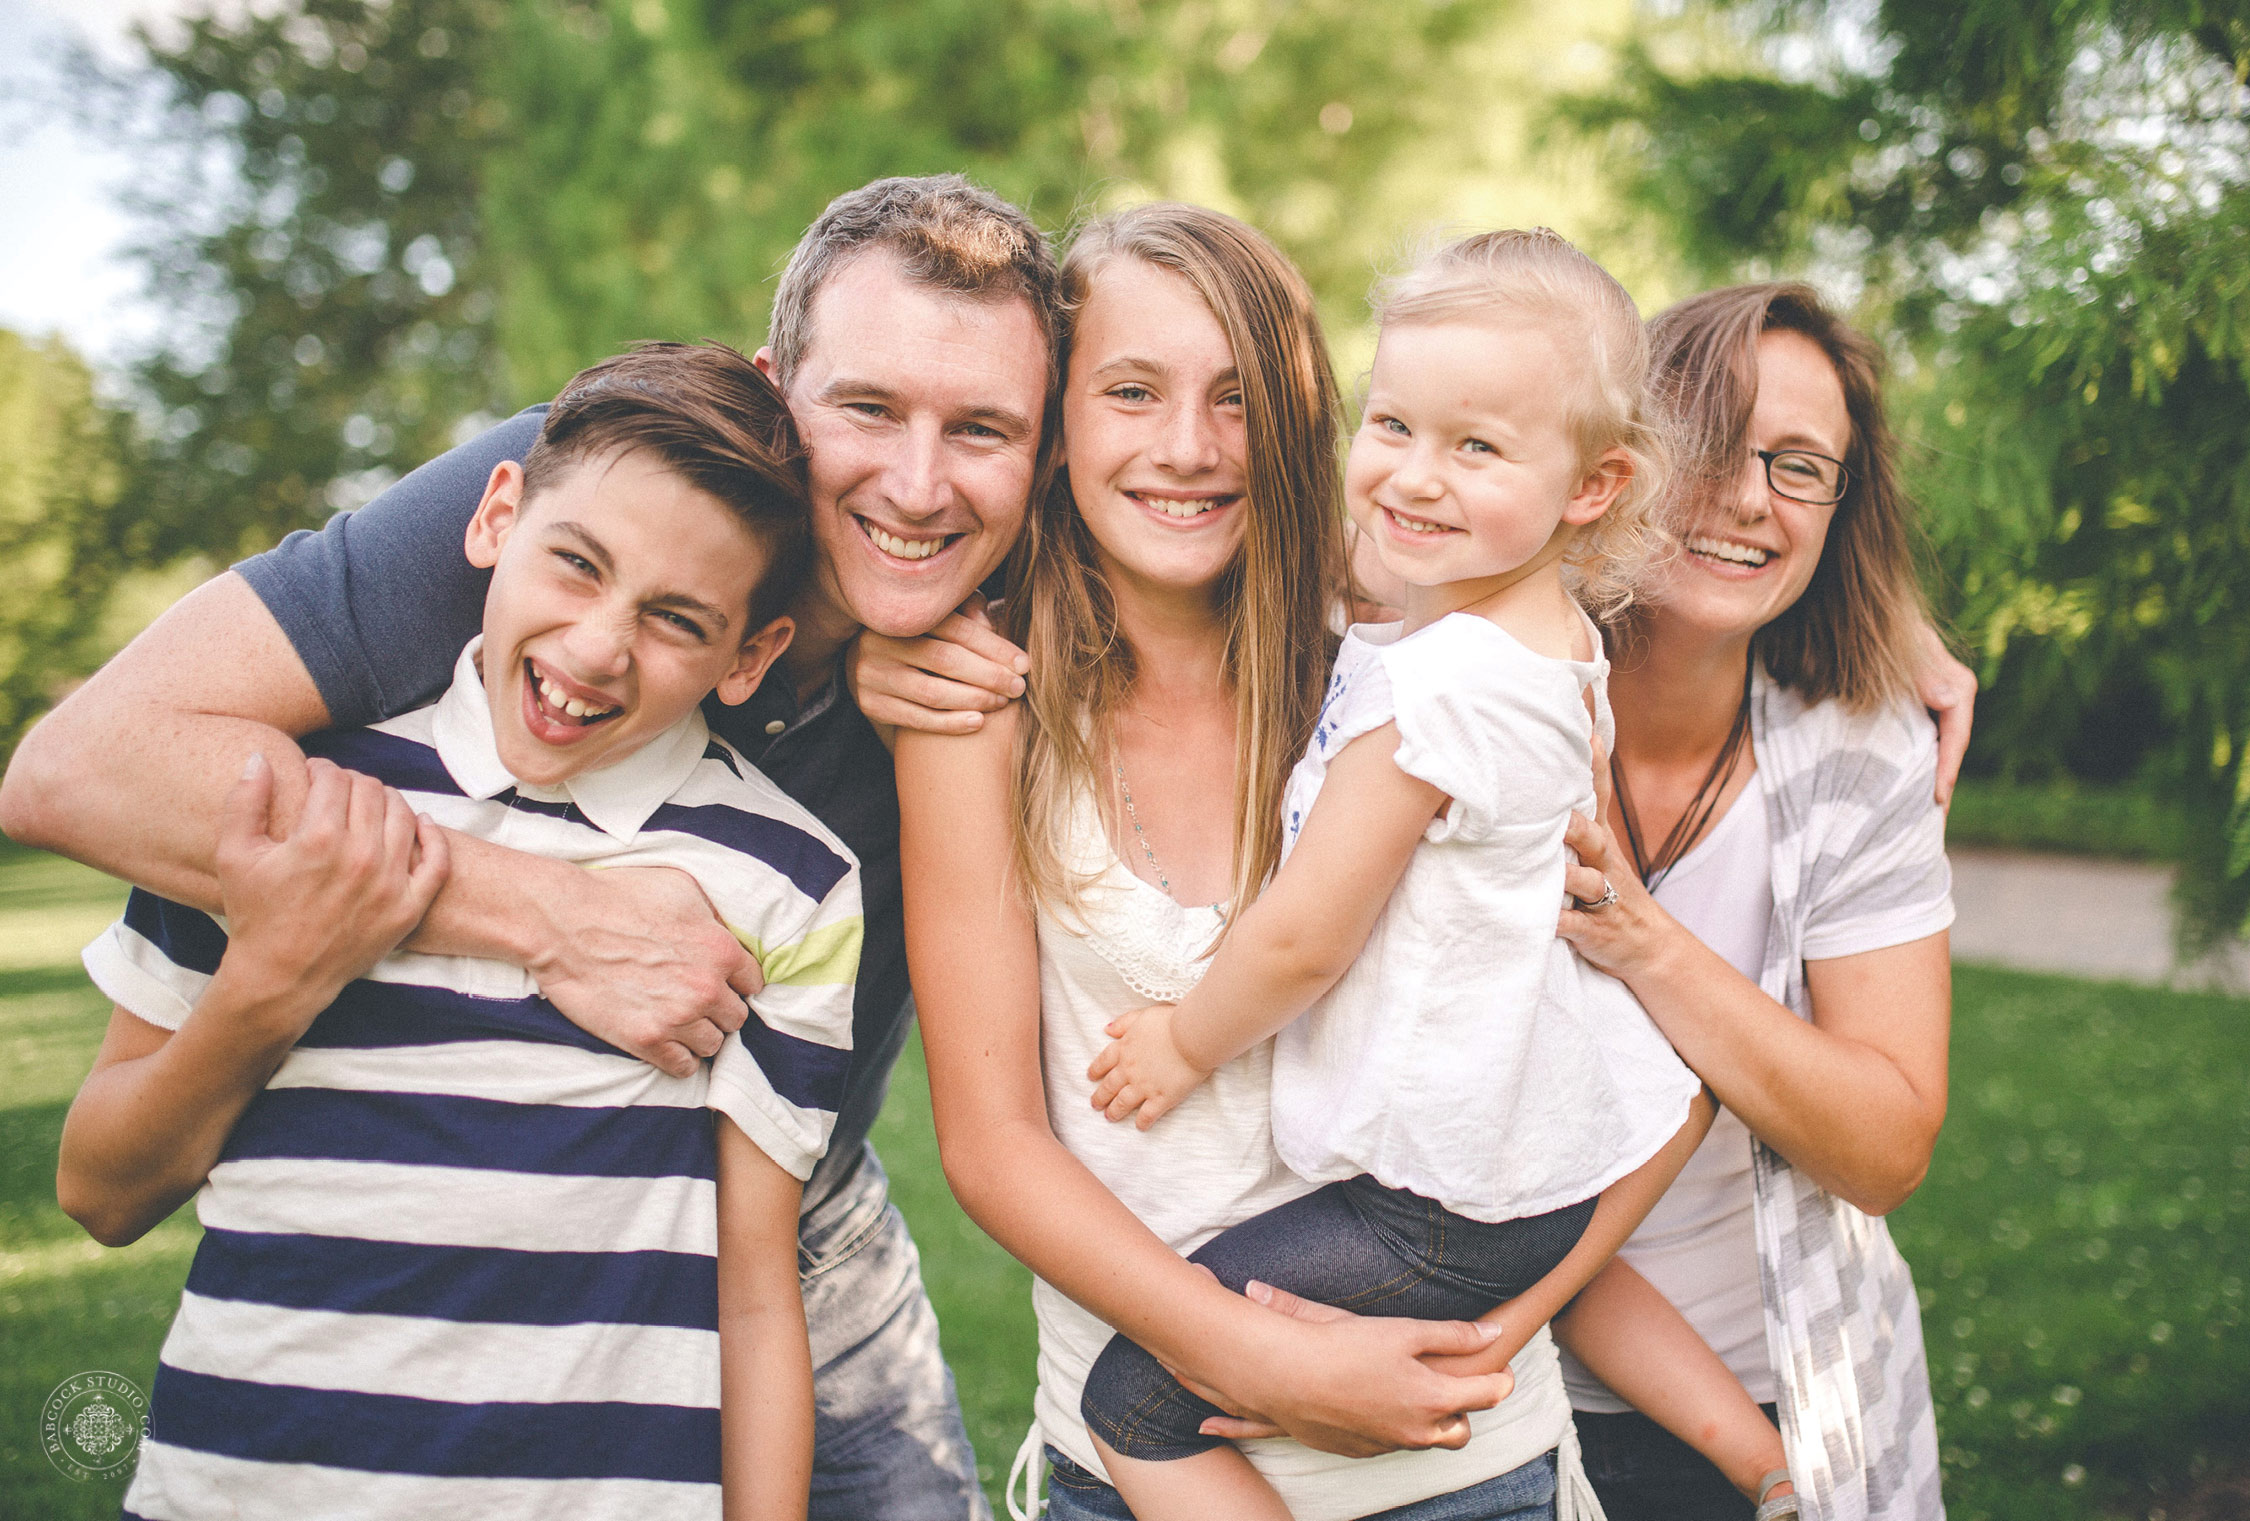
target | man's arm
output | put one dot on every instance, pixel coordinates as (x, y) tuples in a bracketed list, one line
[(129, 772)]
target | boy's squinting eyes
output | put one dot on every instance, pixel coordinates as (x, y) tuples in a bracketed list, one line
[(620, 597)]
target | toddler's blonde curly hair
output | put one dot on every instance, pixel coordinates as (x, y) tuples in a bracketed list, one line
[(1538, 275)]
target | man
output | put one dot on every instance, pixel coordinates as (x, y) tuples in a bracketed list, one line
[(914, 337)]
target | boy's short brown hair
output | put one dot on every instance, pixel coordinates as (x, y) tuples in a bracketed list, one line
[(712, 418)]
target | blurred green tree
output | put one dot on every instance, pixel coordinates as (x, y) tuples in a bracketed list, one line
[(312, 230), (63, 535), (2046, 210), (663, 155)]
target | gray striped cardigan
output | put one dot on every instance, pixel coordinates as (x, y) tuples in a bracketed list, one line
[(1848, 805)]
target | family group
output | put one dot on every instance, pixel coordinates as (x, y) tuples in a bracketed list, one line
[(1429, 937)]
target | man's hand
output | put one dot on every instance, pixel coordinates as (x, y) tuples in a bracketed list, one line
[(639, 958), (310, 910), (1949, 690), (1141, 1069), (941, 683)]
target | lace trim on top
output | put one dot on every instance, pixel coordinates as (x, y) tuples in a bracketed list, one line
[(1158, 946)]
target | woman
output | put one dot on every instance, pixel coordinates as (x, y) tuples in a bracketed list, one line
[(1079, 855), (1773, 788)]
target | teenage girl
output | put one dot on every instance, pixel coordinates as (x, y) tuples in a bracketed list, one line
[(1464, 1086)]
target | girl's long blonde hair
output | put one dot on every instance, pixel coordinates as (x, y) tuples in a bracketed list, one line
[(1275, 598)]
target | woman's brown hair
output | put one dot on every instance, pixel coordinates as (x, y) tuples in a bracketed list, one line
[(1275, 599), (1855, 632)]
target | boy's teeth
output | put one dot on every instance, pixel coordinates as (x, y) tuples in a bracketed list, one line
[(563, 703), (905, 549), (1720, 549)]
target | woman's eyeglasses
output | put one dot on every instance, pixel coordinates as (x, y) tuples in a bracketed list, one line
[(1803, 476)]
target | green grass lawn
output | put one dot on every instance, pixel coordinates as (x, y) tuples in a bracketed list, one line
[(2082, 1241)]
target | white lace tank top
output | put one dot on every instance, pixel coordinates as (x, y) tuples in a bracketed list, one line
[(1205, 1166)]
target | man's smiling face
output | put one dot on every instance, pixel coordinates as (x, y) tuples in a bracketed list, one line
[(921, 411)]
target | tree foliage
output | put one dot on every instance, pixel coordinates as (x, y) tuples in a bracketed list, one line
[(313, 223), (64, 535), (2045, 207), (664, 157)]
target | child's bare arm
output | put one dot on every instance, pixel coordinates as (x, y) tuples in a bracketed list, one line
[(765, 1356), (305, 915), (1290, 946), (1633, 1340)]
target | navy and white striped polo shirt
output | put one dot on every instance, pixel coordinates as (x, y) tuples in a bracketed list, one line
[(460, 1256)]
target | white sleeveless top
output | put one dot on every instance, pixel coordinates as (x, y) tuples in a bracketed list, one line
[(1205, 1166)]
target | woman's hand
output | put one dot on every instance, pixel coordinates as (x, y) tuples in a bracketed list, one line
[(311, 910), (1141, 1069), (1625, 938), (1452, 1342), (941, 683), (1949, 690)]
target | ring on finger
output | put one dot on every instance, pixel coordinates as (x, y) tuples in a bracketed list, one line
[(1596, 905)]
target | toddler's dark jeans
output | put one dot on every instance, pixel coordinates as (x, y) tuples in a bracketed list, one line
[(1356, 1245)]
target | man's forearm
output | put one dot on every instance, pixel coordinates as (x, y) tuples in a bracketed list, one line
[(129, 772)]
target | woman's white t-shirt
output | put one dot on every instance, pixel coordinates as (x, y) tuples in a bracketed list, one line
[(1698, 1246)]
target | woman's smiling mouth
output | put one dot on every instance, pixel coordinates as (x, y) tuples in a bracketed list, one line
[(1728, 551)]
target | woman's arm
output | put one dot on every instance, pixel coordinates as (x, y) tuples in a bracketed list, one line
[(972, 945), (1290, 946), (1855, 1096), (765, 1355), (307, 911), (129, 772)]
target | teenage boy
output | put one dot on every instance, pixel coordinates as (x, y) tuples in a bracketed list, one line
[(460, 1257), (913, 336)]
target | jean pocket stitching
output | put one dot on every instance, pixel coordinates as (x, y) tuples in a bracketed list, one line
[(812, 1265)]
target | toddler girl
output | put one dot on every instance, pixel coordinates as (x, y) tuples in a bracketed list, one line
[(1464, 1087)]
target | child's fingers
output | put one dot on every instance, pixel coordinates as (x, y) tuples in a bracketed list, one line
[(1129, 1098), (1153, 1109), (1107, 1090), (1104, 1062)]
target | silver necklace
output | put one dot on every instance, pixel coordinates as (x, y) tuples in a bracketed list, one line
[(1133, 815)]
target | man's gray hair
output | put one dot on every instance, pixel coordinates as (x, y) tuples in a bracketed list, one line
[(945, 232)]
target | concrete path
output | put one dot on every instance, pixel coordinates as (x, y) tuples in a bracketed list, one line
[(2087, 918)]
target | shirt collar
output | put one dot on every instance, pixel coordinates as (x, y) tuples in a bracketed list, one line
[(617, 798)]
